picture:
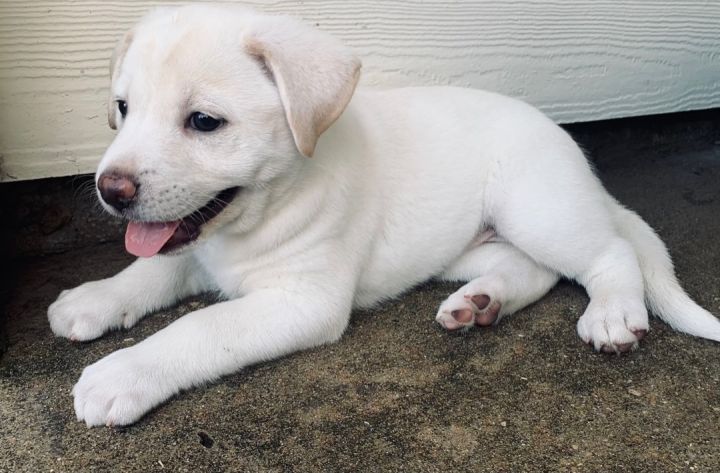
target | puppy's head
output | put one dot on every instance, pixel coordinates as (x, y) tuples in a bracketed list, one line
[(213, 104)]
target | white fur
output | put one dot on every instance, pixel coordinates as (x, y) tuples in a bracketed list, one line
[(404, 186)]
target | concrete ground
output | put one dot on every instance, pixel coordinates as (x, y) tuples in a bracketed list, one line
[(397, 393)]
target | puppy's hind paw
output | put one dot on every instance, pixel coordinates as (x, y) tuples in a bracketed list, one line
[(464, 309), (614, 326)]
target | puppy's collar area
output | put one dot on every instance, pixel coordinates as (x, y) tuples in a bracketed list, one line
[(146, 239)]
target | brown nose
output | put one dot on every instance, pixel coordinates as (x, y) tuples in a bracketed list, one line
[(116, 189)]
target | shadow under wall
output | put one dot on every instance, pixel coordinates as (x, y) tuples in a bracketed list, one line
[(43, 217)]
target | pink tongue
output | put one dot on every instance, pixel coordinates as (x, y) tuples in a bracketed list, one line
[(145, 239)]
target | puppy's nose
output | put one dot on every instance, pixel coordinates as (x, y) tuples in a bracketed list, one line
[(117, 190)]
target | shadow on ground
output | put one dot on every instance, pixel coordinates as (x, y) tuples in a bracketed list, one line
[(398, 393)]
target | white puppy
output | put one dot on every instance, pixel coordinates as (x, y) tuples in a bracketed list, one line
[(220, 167)]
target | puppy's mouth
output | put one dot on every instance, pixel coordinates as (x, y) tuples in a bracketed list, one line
[(146, 239)]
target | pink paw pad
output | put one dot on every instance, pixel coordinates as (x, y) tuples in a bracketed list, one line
[(487, 311), (640, 334), (464, 316)]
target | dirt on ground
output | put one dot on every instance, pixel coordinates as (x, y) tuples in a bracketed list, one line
[(398, 393)]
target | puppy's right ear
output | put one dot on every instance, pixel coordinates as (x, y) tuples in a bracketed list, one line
[(314, 73), (115, 63)]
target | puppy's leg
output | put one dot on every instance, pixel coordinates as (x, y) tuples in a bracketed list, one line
[(566, 224), (502, 279), (209, 343), (616, 318), (93, 308)]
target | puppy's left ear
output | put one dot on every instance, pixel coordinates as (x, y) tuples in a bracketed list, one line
[(315, 74)]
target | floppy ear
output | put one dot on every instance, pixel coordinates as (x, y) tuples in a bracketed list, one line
[(315, 74), (115, 62)]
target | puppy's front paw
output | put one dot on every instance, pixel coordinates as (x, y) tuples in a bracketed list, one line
[(119, 389), (88, 311), (614, 326)]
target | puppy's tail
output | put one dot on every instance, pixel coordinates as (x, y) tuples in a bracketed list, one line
[(663, 293)]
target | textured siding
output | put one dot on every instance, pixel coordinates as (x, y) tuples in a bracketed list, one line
[(577, 60)]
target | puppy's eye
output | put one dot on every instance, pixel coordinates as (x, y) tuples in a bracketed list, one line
[(122, 107), (203, 122)]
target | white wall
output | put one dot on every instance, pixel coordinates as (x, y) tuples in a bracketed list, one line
[(577, 60)]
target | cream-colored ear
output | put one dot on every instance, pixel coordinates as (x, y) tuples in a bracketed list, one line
[(115, 62), (315, 74)]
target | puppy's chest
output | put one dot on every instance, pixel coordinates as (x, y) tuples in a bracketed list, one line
[(232, 269)]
